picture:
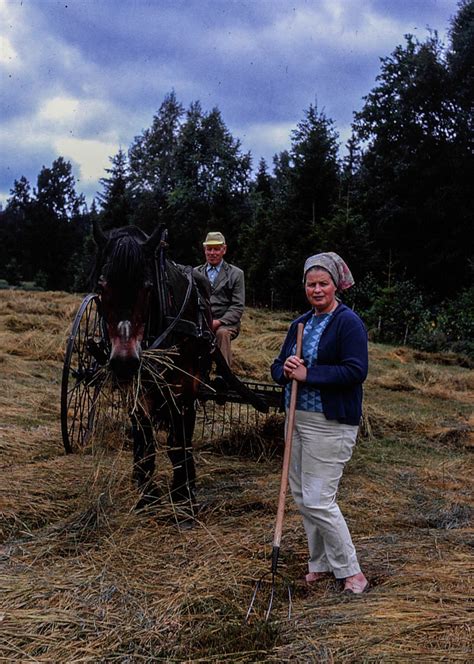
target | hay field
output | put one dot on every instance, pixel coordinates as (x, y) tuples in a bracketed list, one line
[(86, 578)]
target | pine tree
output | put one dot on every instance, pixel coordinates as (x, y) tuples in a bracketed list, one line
[(412, 181), (115, 199)]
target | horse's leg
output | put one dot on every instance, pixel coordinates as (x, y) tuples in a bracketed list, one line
[(144, 459), (180, 453)]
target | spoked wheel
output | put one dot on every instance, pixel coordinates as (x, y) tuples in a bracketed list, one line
[(86, 353)]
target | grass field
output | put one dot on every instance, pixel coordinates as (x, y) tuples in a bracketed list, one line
[(86, 578)]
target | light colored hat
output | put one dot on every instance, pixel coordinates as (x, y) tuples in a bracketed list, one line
[(213, 239)]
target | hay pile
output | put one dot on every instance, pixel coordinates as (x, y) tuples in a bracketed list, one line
[(85, 577)]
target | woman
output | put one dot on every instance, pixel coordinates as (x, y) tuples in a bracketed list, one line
[(328, 410)]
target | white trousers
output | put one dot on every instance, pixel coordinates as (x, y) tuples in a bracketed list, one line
[(320, 450)]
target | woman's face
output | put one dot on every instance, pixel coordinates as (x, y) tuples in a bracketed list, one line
[(320, 290)]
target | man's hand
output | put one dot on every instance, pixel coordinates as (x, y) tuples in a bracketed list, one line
[(216, 324), (294, 368)]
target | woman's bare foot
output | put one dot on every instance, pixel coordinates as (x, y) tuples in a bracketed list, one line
[(313, 577), (356, 584)]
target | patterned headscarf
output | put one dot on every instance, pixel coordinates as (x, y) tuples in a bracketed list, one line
[(333, 263)]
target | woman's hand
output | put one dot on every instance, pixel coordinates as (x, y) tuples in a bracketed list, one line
[(294, 368)]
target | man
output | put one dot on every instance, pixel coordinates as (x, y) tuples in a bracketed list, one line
[(227, 292)]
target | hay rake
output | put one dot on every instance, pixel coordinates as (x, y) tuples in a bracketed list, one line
[(273, 572), (220, 413)]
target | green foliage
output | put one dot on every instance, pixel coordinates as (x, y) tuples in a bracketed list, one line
[(12, 272), (39, 231), (41, 280), (361, 296), (187, 171), (30, 286), (399, 314), (460, 58), (56, 191), (116, 198), (451, 327), (413, 182), (305, 189), (396, 312)]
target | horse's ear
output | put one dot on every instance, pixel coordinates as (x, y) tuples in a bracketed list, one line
[(99, 235), (155, 238)]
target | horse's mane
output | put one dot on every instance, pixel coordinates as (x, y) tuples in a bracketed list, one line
[(123, 261), (126, 266)]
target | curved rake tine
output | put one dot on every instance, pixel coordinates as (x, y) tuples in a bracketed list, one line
[(258, 586)]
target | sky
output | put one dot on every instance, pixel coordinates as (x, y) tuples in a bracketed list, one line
[(81, 78)]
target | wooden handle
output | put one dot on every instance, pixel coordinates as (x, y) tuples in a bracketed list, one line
[(288, 439)]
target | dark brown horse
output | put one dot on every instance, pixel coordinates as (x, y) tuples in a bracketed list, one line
[(149, 304)]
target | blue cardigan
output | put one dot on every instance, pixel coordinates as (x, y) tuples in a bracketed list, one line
[(341, 367)]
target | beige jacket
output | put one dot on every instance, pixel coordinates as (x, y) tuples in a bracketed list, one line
[(227, 294)]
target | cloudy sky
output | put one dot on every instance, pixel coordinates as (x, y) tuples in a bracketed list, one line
[(81, 78)]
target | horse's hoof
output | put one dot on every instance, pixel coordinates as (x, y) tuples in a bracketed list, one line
[(182, 495), (187, 523), (150, 498)]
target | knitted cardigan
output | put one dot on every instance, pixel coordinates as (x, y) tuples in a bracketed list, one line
[(341, 367)]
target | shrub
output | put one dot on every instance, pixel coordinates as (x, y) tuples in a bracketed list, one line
[(396, 312), (451, 328)]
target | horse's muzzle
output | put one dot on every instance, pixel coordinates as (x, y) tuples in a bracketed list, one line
[(124, 367), (125, 354)]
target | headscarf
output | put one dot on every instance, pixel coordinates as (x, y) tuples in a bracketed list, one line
[(333, 263)]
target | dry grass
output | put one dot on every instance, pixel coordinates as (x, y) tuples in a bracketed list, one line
[(86, 578)]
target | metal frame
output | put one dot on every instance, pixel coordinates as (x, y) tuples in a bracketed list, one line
[(80, 384)]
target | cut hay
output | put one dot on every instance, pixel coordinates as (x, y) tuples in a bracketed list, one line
[(261, 441), (85, 577)]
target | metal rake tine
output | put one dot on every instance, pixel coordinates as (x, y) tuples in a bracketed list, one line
[(254, 596), (258, 586), (290, 601), (270, 601), (252, 602), (272, 594)]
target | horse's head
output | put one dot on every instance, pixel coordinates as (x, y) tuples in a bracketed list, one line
[(125, 265)]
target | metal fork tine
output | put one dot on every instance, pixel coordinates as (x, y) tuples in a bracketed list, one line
[(273, 586)]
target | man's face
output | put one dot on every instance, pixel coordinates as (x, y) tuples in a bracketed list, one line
[(214, 253)]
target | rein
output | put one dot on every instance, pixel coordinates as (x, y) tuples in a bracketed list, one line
[(157, 343)]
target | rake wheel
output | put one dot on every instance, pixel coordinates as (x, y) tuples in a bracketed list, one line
[(86, 352)]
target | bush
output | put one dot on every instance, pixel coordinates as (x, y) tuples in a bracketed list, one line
[(29, 286), (399, 315), (395, 312), (451, 328)]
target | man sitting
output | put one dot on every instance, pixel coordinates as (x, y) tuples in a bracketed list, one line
[(227, 292)]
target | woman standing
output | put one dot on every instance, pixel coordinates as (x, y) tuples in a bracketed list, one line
[(328, 410)]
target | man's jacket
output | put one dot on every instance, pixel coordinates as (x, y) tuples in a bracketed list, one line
[(227, 294)]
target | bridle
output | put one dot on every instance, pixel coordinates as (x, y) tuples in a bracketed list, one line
[(163, 301)]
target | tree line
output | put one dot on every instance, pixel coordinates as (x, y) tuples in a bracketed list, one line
[(398, 207)]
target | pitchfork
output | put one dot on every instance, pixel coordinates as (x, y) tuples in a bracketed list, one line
[(281, 499)]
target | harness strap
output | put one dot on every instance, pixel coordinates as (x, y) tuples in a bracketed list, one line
[(157, 343), (184, 326)]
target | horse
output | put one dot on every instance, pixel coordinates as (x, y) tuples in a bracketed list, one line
[(149, 303)]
